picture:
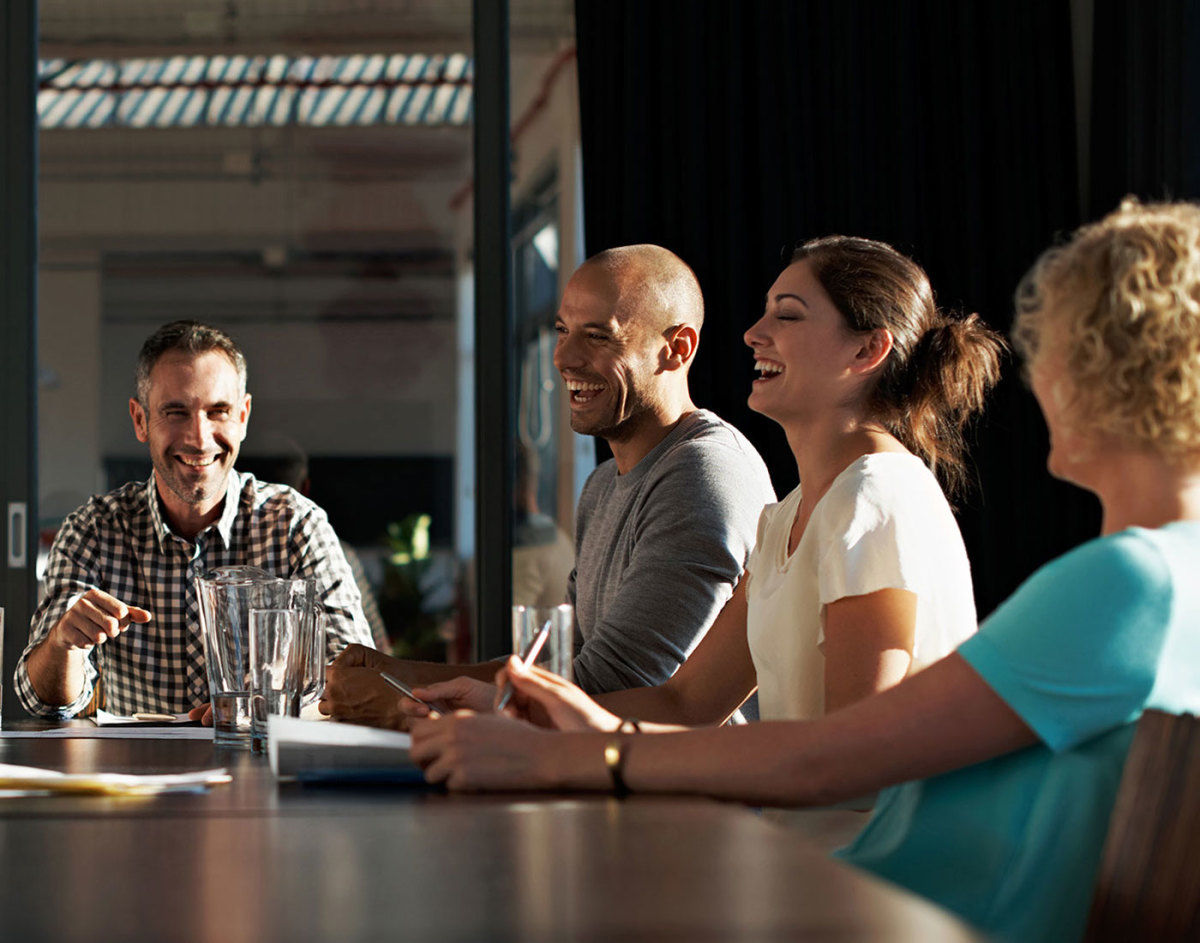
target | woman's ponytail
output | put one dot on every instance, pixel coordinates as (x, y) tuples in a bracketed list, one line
[(940, 367), (952, 367)]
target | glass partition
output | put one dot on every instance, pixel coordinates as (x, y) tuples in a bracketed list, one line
[(289, 173), (303, 179), (551, 462)]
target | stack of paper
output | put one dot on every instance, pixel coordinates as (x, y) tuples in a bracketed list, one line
[(135, 731), (31, 780), (315, 751)]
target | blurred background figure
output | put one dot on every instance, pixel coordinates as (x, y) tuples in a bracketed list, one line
[(284, 462), (543, 556)]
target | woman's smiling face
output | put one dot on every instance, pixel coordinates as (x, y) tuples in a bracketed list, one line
[(802, 348)]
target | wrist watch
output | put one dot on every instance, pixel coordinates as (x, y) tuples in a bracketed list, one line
[(614, 759), (614, 756)]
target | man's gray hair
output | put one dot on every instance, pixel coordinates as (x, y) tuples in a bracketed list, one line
[(191, 337)]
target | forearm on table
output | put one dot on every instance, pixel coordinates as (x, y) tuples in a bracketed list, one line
[(782, 763), (746, 764), (711, 761), (943, 718), (56, 675)]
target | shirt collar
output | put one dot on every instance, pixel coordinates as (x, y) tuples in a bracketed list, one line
[(233, 494), (223, 526)]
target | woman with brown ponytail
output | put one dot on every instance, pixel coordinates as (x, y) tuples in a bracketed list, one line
[(859, 577)]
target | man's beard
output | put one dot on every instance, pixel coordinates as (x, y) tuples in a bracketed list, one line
[(187, 492), (610, 428)]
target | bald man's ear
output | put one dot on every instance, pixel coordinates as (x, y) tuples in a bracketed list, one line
[(682, 341)]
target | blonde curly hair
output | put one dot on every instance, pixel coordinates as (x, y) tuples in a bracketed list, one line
[(1121, 300)]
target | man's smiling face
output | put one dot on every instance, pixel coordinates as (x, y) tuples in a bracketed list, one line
[(608, 359), (194, 422)]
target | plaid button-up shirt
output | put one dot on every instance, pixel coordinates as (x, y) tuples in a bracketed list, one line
[(120, 543)]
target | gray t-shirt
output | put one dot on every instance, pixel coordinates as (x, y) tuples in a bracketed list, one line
[(659, 551)]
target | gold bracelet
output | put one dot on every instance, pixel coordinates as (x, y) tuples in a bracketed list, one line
[(614, 760)]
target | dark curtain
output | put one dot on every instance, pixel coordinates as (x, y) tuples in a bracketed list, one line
[(730, 131), (1145, 131)]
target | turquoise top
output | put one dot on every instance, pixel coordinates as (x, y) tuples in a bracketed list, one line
[(1079, 651)]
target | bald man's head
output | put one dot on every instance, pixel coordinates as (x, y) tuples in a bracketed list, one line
[(655, 288), (628, 328)]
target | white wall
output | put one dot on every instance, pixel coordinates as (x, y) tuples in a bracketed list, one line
[(69, 401), (187, 214), (346, 360)]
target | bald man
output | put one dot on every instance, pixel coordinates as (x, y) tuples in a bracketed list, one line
[(663, 529)]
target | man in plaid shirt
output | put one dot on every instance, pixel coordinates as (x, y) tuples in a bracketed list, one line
[(119, 627)]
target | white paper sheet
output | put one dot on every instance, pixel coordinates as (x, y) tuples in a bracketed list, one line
[(33, 780), (105, 719), (133, 732)]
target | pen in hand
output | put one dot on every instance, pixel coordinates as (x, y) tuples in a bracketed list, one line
[(528, 657), (435, 710)]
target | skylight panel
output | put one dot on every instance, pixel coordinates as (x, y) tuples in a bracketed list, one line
[(239, 90)]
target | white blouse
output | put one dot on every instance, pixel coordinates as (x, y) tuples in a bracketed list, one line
[(884, 523)]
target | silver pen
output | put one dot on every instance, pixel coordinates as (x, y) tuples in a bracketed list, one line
[(528, 657), (407, 692)]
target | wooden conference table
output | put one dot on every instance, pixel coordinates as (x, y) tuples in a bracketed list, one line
[(257, 860)]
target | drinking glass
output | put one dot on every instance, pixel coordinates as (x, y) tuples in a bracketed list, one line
[(275, 637), (558, 653), (308, 662), (226, 596)]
